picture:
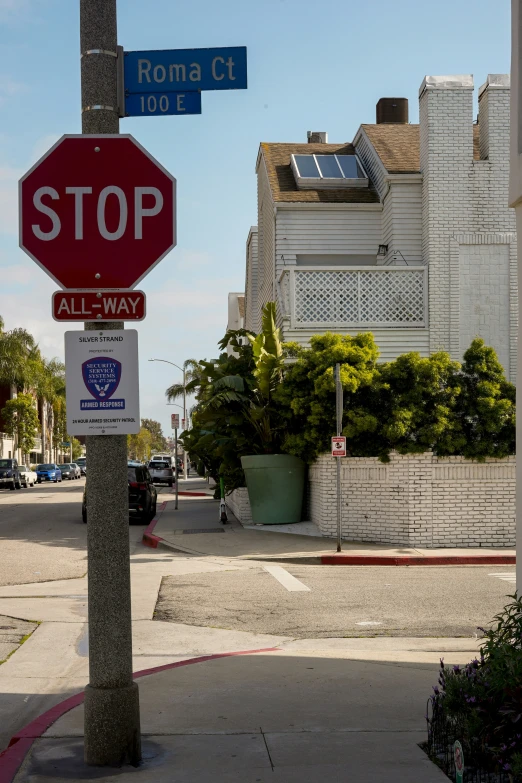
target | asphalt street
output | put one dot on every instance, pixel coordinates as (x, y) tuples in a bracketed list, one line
[(340, 601), (42, 536)]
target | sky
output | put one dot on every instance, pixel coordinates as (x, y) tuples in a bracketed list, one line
[(311, 66)]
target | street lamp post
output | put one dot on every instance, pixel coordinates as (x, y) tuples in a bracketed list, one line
[(184, 408)]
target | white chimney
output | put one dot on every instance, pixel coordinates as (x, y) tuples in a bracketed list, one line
[(317, 137)]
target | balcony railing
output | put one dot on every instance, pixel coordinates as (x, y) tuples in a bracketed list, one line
[(366, 297)]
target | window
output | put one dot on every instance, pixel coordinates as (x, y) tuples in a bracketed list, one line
[(328, 171)]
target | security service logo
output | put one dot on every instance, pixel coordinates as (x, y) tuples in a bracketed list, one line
[(102, 377)]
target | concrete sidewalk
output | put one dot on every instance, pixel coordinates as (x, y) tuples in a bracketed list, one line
[(195, 529), (293, 714)]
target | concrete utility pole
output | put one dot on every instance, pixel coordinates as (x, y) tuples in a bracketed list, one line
[(112, 715), (515, 200)]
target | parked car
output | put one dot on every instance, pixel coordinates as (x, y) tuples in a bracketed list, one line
[(82, 464), (161, 472), (27, 476), (48, 472), (142, 494), (10, 474), (70, 470)]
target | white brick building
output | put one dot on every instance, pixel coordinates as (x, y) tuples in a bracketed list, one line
[(417, 245)]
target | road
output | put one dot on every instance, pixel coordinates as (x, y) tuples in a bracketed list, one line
[(340, 601), (42, 536)]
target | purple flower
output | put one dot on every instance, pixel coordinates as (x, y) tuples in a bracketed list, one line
[(456, 669), (436, 690)]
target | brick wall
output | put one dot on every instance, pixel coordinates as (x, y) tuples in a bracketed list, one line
[(239, 505), (417, 500), (465, 202)]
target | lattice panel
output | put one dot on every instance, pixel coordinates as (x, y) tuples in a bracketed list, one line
[(392, 297), (325, 297)]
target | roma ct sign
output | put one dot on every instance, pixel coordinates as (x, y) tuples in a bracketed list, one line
[(97, 212)]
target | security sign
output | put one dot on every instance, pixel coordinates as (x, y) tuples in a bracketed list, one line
[(339, 446), (102, 382), (101, 376)]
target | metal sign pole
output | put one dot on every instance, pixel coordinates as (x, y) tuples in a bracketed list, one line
[(112, 715), (176, 466), (339, 428)]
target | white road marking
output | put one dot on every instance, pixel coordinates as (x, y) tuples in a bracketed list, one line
[(287, 580), (508, 576), (369, 622)]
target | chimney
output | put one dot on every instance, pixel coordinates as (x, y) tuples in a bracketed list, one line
[(392, 110), (494, 118), (317, 137)]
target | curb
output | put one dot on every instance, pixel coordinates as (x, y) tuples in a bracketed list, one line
[(148, 538), (416, 560), (12, 758), (389, 560)]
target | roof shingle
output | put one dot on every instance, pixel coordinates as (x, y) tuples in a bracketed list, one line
[(283, 184), (398, 146)]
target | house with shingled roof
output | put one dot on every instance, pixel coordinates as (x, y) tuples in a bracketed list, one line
[(405, 232)]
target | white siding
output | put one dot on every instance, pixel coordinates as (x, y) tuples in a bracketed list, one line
[(266, 238), (371, 162), (392, 342), (324, 231), (251, 282), (402, 220)]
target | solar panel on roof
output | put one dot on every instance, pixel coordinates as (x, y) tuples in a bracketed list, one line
[(307, 166), (329, 166)]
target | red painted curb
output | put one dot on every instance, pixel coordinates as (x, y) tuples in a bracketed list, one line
[(191, 494), (148, 538), (13, 756), (412, 560)]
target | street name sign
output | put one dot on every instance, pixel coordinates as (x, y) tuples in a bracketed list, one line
[(157, 104), (97, 212), (100, 305), (339, 446), (173, 70), (174, 420), (102, 386)]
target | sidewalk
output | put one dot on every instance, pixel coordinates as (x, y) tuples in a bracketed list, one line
[(286, 714), (195, 529)]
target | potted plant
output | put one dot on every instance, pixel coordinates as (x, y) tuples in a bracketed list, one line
[(275, 481)]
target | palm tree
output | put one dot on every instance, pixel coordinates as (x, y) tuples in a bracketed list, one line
[(191, 370), (18, 355)]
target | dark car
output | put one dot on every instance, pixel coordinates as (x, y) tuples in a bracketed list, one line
[(48, 472), (10, 474), (142, 494), (82, 464), (70, 470)]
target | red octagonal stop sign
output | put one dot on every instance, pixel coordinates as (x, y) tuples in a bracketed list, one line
[(97, 212)]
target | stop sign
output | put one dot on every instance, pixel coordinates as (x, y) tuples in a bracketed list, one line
[(97, 212)]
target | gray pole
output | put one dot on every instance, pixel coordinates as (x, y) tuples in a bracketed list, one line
[(339, 427), (176, 468), (185, 475), (112, 715)]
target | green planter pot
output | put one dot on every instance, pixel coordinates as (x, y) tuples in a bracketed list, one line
[(275, 485)]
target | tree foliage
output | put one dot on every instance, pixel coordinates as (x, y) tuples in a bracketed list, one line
[(158, 440), (21, 421), (139, 447), (269, 397)]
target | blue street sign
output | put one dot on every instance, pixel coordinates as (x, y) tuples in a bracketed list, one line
[(155, 104), (186, 69)]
